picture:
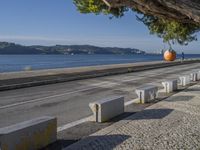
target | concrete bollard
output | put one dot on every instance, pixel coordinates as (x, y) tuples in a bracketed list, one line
[(198, 75), (107, 109), (147, 93), (170, 86), (185, 80), (29, 135), (194, 76)]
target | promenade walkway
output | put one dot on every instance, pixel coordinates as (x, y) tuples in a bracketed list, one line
[(173, 123)]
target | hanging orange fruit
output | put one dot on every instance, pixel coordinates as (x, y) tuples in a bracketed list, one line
[(170, 55)]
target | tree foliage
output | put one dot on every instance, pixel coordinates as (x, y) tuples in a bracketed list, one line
[(171, 31), (97, 7)]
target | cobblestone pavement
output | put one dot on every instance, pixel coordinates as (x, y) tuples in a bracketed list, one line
[(173, 123)]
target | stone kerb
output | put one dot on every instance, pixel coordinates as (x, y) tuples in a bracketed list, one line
[(194, 76), (147, 93), (107, 109), (184, 80), (29, 135), (170, 85)]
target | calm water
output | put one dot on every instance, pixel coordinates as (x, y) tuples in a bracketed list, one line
[(19, 62)]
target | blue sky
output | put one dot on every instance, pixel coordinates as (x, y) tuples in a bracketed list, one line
[(50, 22)]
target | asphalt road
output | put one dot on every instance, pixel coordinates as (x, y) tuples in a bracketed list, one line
[(69, 101)]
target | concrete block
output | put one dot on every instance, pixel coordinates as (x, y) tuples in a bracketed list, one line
[(107, 109), (170, 86), (184, 80), (198, 75), (29, 135), (147, 93), (194, 76)]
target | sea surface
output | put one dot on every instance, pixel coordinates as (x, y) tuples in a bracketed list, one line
[(10, 63)]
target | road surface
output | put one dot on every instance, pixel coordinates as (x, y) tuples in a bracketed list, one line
[(69, 101)]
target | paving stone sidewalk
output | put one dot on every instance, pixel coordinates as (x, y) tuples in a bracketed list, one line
[(173, 123)]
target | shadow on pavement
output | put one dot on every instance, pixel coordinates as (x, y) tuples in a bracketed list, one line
[(108, 142), (192, 90), (151, 114), (59, 144), (180, 98)]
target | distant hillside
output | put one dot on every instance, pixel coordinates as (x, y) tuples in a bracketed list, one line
[(11, 48)]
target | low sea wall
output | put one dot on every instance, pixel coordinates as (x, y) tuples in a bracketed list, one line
[(15, 80)]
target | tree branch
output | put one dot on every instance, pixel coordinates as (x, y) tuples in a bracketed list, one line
[(185, 11)]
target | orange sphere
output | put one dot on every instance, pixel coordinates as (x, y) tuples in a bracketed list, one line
[(170, 55)]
